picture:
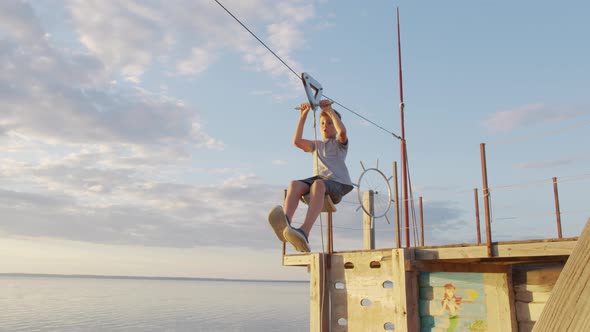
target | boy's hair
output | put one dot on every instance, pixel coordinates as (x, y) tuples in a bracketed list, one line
[(335, 111)]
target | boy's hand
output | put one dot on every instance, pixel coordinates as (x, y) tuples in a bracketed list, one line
[(304, 108), (325, 104)]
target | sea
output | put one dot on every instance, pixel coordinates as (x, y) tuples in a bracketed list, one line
[(92, 303)]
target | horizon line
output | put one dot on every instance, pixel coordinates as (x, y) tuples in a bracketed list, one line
[(106, 276)]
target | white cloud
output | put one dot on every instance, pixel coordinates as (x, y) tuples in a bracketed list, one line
[(284, 37), (195, 64), (91, 150), (523, 116), (124, 35)]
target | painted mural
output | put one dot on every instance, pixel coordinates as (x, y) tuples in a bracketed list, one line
[(452, 302)]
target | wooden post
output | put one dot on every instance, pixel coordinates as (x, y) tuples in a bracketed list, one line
[(319, 305), (330, 234), (368, 224), (486, 197), (557, 211), (477, 215), (405, 291), (398, 240), (421, 223)]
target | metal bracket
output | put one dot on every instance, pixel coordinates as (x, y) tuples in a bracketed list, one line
[(313, 89)]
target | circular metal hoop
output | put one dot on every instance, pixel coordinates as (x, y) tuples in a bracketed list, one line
[(374, 180)]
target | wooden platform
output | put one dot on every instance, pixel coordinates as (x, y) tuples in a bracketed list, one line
[(350, 294)]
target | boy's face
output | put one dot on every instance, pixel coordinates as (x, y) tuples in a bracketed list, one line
[(327, 127)]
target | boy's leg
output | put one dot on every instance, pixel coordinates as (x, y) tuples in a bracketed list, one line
[(298, 237), (294, 193), (316, 202), (277, 218)]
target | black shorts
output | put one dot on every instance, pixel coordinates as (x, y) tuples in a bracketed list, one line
[(333, 188)]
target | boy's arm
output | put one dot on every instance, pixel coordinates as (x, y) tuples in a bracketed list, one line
[(298, 140), (340, 128)]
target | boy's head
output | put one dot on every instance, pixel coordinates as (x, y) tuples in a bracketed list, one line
[(327, 125)]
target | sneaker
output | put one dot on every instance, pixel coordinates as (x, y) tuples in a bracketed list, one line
[(278, 221), (297, 238)]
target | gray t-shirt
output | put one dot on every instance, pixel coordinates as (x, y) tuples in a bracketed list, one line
[(330, 162)]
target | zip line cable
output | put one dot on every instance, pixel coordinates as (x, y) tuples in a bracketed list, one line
[(261, 42), (364, 118), (298, 76)]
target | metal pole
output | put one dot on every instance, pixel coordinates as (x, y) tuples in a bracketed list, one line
[(403, 136), (486, 197), (557, 211), (421, 223), (396, 207), (368, 224), (477, 215)]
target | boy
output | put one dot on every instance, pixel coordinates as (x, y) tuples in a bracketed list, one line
[(330, 176)]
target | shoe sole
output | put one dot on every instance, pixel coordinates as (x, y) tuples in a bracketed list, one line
[(296, 239), (278, 222)]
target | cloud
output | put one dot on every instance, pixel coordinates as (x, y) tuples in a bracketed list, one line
[(124, 35), (195, 64), (54, 94), (526, 115), (139, 213), (155, 30), (91, 152)]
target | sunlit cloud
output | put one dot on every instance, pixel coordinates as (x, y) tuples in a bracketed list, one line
[(509, 120)]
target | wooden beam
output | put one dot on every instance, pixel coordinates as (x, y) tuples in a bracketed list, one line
[(539, 248), (536, 248)]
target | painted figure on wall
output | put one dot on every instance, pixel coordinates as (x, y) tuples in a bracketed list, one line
[(452, 304)]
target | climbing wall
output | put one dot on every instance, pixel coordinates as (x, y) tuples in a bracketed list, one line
[(361, 291)]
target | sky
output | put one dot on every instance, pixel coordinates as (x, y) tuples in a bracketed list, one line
[(151, 138)]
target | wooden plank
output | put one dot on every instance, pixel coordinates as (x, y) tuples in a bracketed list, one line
[(451, 252), (529, 311), (568, 307), (537, 276), (526, 296), (497, 302), (538, 248), (541, 248), (297, 260), (546, 288)]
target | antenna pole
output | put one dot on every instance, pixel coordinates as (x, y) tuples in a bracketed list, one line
[(403, 140)]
